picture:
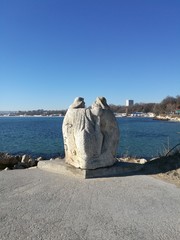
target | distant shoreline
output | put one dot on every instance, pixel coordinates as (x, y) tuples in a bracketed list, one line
[(158, 117)]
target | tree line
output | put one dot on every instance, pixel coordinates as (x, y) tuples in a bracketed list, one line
[(42, 112), (167, 106)]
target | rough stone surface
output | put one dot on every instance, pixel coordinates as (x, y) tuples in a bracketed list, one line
[(91, 135), (40, 205), (16, 162), (7, 159), (25, 159)]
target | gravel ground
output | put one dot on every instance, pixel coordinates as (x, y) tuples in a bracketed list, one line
[(35, 204)]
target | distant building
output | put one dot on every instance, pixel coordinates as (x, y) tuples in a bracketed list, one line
[(129, 103), (137, 114), (177, 111)]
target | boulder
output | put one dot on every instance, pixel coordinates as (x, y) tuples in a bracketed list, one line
[(25, 159), (16, 162), (7, 160)]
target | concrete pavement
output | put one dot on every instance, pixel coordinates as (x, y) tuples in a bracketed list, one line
[(35, 204)]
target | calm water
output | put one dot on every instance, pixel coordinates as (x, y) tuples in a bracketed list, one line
[(42, 136)]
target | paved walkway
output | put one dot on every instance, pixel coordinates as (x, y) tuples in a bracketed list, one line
[(35, 204)]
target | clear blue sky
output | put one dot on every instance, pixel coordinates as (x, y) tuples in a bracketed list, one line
[(52, 51)]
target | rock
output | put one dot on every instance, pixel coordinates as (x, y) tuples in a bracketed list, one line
[(39, 159), (6, 169), (141, 161), (91, 135), (32, 162), (8, 160), (16, 162), (20, 165), (25, 159), (133, 160)]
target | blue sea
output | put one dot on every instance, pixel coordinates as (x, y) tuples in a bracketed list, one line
[(42, 136)]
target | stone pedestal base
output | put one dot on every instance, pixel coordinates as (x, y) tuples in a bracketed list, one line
[(118, 169)]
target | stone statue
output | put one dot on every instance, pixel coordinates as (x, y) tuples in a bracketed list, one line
[(91, 135)]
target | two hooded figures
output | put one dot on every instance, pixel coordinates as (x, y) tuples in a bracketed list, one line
[(91, 135)]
